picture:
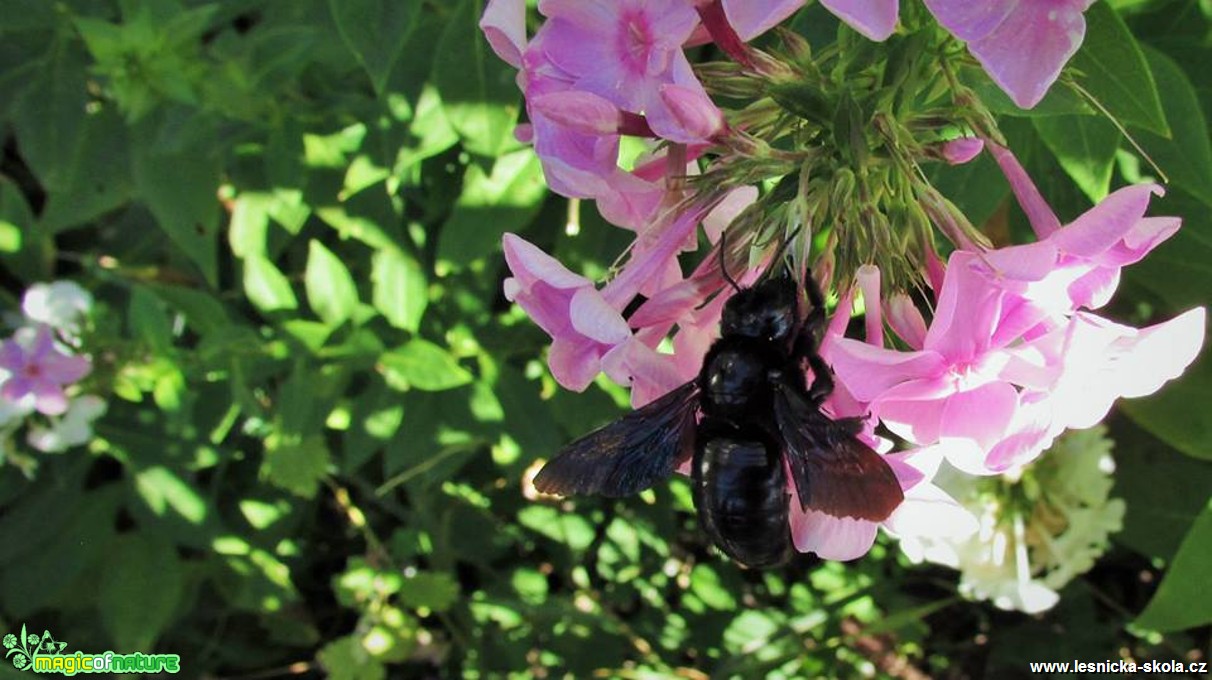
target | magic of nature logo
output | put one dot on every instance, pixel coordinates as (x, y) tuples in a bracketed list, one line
[(44, 654)]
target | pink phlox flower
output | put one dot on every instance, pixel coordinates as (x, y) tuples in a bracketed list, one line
[(580, 160), (1077, 265), (586, 324), (1099, 361), (960, 387), (1022, 44), (627, 51), (38, 370), (582, 325)]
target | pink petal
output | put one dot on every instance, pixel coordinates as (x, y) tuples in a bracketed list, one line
[(751, 19), (15, 388), (970, 19), (1146, 235), (586, 13), (628, 201), (728, 210), (650, 374), (65, 369), (1027, 262), (1094, 289), (1107, 223), (574, 363), (1031, 434), (583, 112), (966, 315), (649, 262), (915, 420), (593, 318), (906, 320), (1042, 219), (504, 25), (875, 19), (832, 538), (962, 150), (929, 511), (869, 372), (868, 277), (981, 415), (1159, 353), (1025, 53), (694, 115), (50, 399), (12, 356), (529, 264)]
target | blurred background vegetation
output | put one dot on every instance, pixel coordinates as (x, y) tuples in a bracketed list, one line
[(322, 409)]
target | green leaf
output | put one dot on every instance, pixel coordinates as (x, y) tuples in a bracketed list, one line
[(139, 590), (249, 224), (346, 659), (431, 590), (1186, 155), (72, 552), (266, 287), (478, 91), (330, 288), (1183, 599), (201, 309), (295, 464), (1085, 147), (1163, 489), (1116, 73), (80, 158), (375, 31), (1060, 99), (490, 205), (422, 365), (400, 292), (15, 216), (705, 583), (180, 190), (164, 490), (149, 322)]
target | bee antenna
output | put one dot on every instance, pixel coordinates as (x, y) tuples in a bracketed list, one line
[(723, 267), (782, 251)]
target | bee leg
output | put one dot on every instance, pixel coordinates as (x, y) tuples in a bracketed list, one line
[(815, 319), (805, 343), (822, 377)]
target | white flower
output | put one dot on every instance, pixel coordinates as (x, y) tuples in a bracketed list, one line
[(1040, 526), (72, 429), (61, 305)]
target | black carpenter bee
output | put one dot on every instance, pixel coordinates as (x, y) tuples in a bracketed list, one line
[(747, 419)]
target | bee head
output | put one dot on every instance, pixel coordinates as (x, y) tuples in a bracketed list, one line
[(769, 310)]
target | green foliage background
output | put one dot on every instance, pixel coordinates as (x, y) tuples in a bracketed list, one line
[(323, 408)]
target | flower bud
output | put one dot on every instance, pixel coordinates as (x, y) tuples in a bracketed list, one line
[(581, 111), (693, 110), (962, 150)]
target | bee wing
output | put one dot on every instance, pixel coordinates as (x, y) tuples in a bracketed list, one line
[(833, 471), (630, 454)]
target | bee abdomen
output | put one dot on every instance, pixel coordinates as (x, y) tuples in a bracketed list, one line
[(741, 494)]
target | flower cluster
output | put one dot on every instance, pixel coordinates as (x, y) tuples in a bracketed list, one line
[(41, 366), (1040, 525), (976, 355)]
